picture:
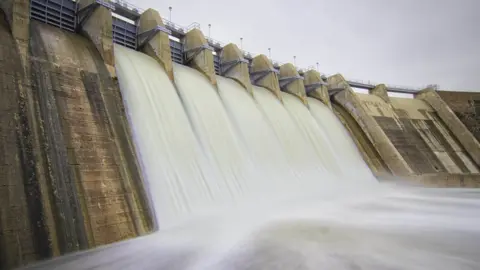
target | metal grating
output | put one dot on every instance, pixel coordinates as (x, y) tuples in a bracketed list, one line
[(216, 64), (177, 51), (124, 33), (59, 13)]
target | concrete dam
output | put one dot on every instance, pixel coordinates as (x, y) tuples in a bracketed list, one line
[(168, 150)]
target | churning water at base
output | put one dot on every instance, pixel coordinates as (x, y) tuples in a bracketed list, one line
[(250, 183)]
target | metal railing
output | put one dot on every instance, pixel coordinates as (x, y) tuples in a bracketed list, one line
[(178, 28), (218, 44), (126, 5), (215, 43)]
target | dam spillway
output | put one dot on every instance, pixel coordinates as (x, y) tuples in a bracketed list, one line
[(103, 143), (224, 147)]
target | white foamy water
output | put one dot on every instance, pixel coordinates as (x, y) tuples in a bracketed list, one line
[(243, 183), (339, 141)]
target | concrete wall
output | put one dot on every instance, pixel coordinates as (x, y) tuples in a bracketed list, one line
[(430, 150), (19, 186), (86, 102), (466, 106), (69, 179), (419, 135)]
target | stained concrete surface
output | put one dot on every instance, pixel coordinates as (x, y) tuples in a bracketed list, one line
[(69, 177), (466, 106)]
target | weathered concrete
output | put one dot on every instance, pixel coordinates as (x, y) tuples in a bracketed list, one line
[(84, 122), (17, 16), (353, 105), (234, 66), (68, 173), (381, 92), (199, 54), (313, 80), (98, 28), (466, 106), (25, 222), (17, 13), (366, 148), (464, 136), (418, 134), (158, 47), (263, 74), (291, 82)]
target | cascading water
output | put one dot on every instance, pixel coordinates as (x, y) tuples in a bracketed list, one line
[(250, 183), (338, 140)]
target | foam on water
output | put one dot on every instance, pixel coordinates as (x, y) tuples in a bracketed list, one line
[(243, 183), (178, 173), (339, 141)]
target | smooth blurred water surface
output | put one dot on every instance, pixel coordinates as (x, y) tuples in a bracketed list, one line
[(252, 183)]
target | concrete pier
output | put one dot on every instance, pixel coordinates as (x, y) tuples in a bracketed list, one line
[(154, 43), (291, 82), (263, 74), (199, 54), (234, 66)]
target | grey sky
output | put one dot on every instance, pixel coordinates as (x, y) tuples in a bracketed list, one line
[(404, 42)]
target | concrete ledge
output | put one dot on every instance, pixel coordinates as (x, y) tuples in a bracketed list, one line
[(291, 82), (263, 74), (98, 28), (381, 92), (316, 88), (199, 54), (352, 104), (447, 180), (158, 45), (235, 67), (464, 136)]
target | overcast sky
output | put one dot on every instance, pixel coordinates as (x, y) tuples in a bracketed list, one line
[(405, 42)]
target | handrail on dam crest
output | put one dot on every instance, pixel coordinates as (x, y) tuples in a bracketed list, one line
[(125, 32)]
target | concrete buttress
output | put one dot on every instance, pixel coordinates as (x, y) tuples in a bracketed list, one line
[(380, 91), (350, 102), (98, 28), (316, 87), (463, 135), (235, 67), (199, 54), (291, 82), (157, 45), (263, 74)]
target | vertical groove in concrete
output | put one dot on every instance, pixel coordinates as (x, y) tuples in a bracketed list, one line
[(27, 225), (110, 107), (71, 234), (95, 142), (17, 166), (468, 141), (68, 174)]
